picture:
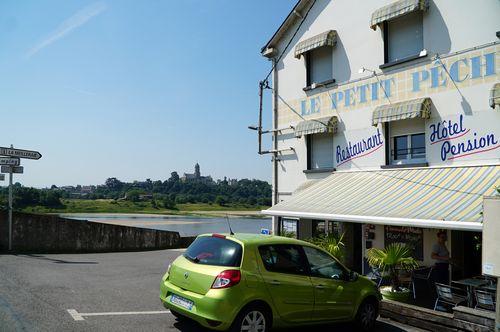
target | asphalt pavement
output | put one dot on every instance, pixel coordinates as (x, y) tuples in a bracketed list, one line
[(97, 292)]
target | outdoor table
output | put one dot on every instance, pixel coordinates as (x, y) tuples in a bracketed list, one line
[(471, 284), (491, 288)]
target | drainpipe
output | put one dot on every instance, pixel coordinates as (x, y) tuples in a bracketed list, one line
[(275, 143)]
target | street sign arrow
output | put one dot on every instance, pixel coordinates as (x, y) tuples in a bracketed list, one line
[(2, 177), (28, 154), (13, 169), (9, 161)]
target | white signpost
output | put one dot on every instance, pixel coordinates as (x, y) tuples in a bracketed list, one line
[(12, 169), (27, 154), (10, 161), (10, 164)]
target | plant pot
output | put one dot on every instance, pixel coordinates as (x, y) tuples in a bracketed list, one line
[(402, 295)]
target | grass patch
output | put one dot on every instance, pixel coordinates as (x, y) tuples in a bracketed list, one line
[(113, 206)]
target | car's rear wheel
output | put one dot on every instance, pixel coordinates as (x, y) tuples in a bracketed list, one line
[(252, 319), (367, 315)]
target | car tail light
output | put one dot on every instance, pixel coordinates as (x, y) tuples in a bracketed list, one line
[(220, 236), (227, 279)]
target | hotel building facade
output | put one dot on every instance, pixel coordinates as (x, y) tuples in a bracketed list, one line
[(386, 123)]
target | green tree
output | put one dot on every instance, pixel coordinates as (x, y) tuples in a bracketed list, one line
[(168, 203), (220, 200)]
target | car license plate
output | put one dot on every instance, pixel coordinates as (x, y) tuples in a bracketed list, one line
[(180, 301)]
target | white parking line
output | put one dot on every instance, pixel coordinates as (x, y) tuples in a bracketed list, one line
[(79, 315)]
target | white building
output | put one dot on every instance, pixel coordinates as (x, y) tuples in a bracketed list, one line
[(387, 116)]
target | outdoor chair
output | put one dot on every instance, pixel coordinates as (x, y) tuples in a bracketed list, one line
[(485, 300), (376, 276), (449, 295), (424, 274)]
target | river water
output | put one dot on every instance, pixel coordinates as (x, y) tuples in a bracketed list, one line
[(185, 225)]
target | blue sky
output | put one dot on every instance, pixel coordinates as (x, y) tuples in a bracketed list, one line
[(134, 89)]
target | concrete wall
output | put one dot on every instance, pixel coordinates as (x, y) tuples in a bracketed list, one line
[(50, 233)]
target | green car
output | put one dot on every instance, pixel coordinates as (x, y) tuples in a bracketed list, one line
[(252, 282)]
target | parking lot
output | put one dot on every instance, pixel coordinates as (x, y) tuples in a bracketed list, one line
[(95, 292)]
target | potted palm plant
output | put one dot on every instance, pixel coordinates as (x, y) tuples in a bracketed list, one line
[(394, 258)]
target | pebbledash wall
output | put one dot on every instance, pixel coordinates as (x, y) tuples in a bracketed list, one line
[(461, 66)]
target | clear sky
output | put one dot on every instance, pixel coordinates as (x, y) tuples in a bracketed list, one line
[(134, 89)]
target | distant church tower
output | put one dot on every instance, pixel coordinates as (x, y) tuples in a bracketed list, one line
[(197, 173)]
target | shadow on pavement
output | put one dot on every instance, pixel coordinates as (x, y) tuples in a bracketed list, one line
[(57, 261), (191, 326)]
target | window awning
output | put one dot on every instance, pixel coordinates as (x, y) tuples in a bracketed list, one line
[(495, 95), (327, 38), (445, 197), (409, 109), (396, 9), (316, 126)]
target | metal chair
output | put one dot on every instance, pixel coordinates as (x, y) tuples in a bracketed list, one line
[(449, 295), (425, 274), (485, 300), (376, 276)]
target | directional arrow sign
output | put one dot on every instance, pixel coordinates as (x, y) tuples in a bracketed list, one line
[(15, 169), (2, 177), (20, 153), (9, 161)]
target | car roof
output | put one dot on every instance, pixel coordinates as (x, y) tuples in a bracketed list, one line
[(256, 239)]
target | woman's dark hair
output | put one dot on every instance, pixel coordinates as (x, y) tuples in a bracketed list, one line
[(441, 232)]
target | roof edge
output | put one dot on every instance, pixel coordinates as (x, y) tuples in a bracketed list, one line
[(289, 20)]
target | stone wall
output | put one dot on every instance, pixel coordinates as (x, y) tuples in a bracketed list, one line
[(53, 234)]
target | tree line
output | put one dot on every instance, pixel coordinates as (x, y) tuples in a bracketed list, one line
[(165, 194)]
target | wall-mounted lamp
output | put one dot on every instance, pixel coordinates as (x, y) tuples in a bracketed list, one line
[(363, 69)]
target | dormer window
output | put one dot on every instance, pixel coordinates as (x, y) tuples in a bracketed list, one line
[(318, 55)]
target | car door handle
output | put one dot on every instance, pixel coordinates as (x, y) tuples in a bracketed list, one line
[(275, 282), (320, 287)]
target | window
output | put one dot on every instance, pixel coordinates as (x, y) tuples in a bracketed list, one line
[(283, 258), (409, 148), (403, 37), (323, 265), (319, 65), (210, 250), (288, 227), (407, 141), (318, 228), (320, 151)]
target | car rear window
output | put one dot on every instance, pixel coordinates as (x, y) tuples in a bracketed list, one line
[(210, 250)]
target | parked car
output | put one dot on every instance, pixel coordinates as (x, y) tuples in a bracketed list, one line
[(251, 282)]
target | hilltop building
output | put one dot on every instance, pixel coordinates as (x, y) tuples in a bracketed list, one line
[(386, 123), (196, 176)]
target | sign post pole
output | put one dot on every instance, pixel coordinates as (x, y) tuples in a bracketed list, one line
[(10, 163), (10, 210)]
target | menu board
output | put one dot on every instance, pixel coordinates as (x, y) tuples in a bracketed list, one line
[(412, 236)]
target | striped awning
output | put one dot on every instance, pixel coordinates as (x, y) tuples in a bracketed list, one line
[(495, 95), (445, 197), (397, 9), (416, 108), (327, 38), (316, 126)]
